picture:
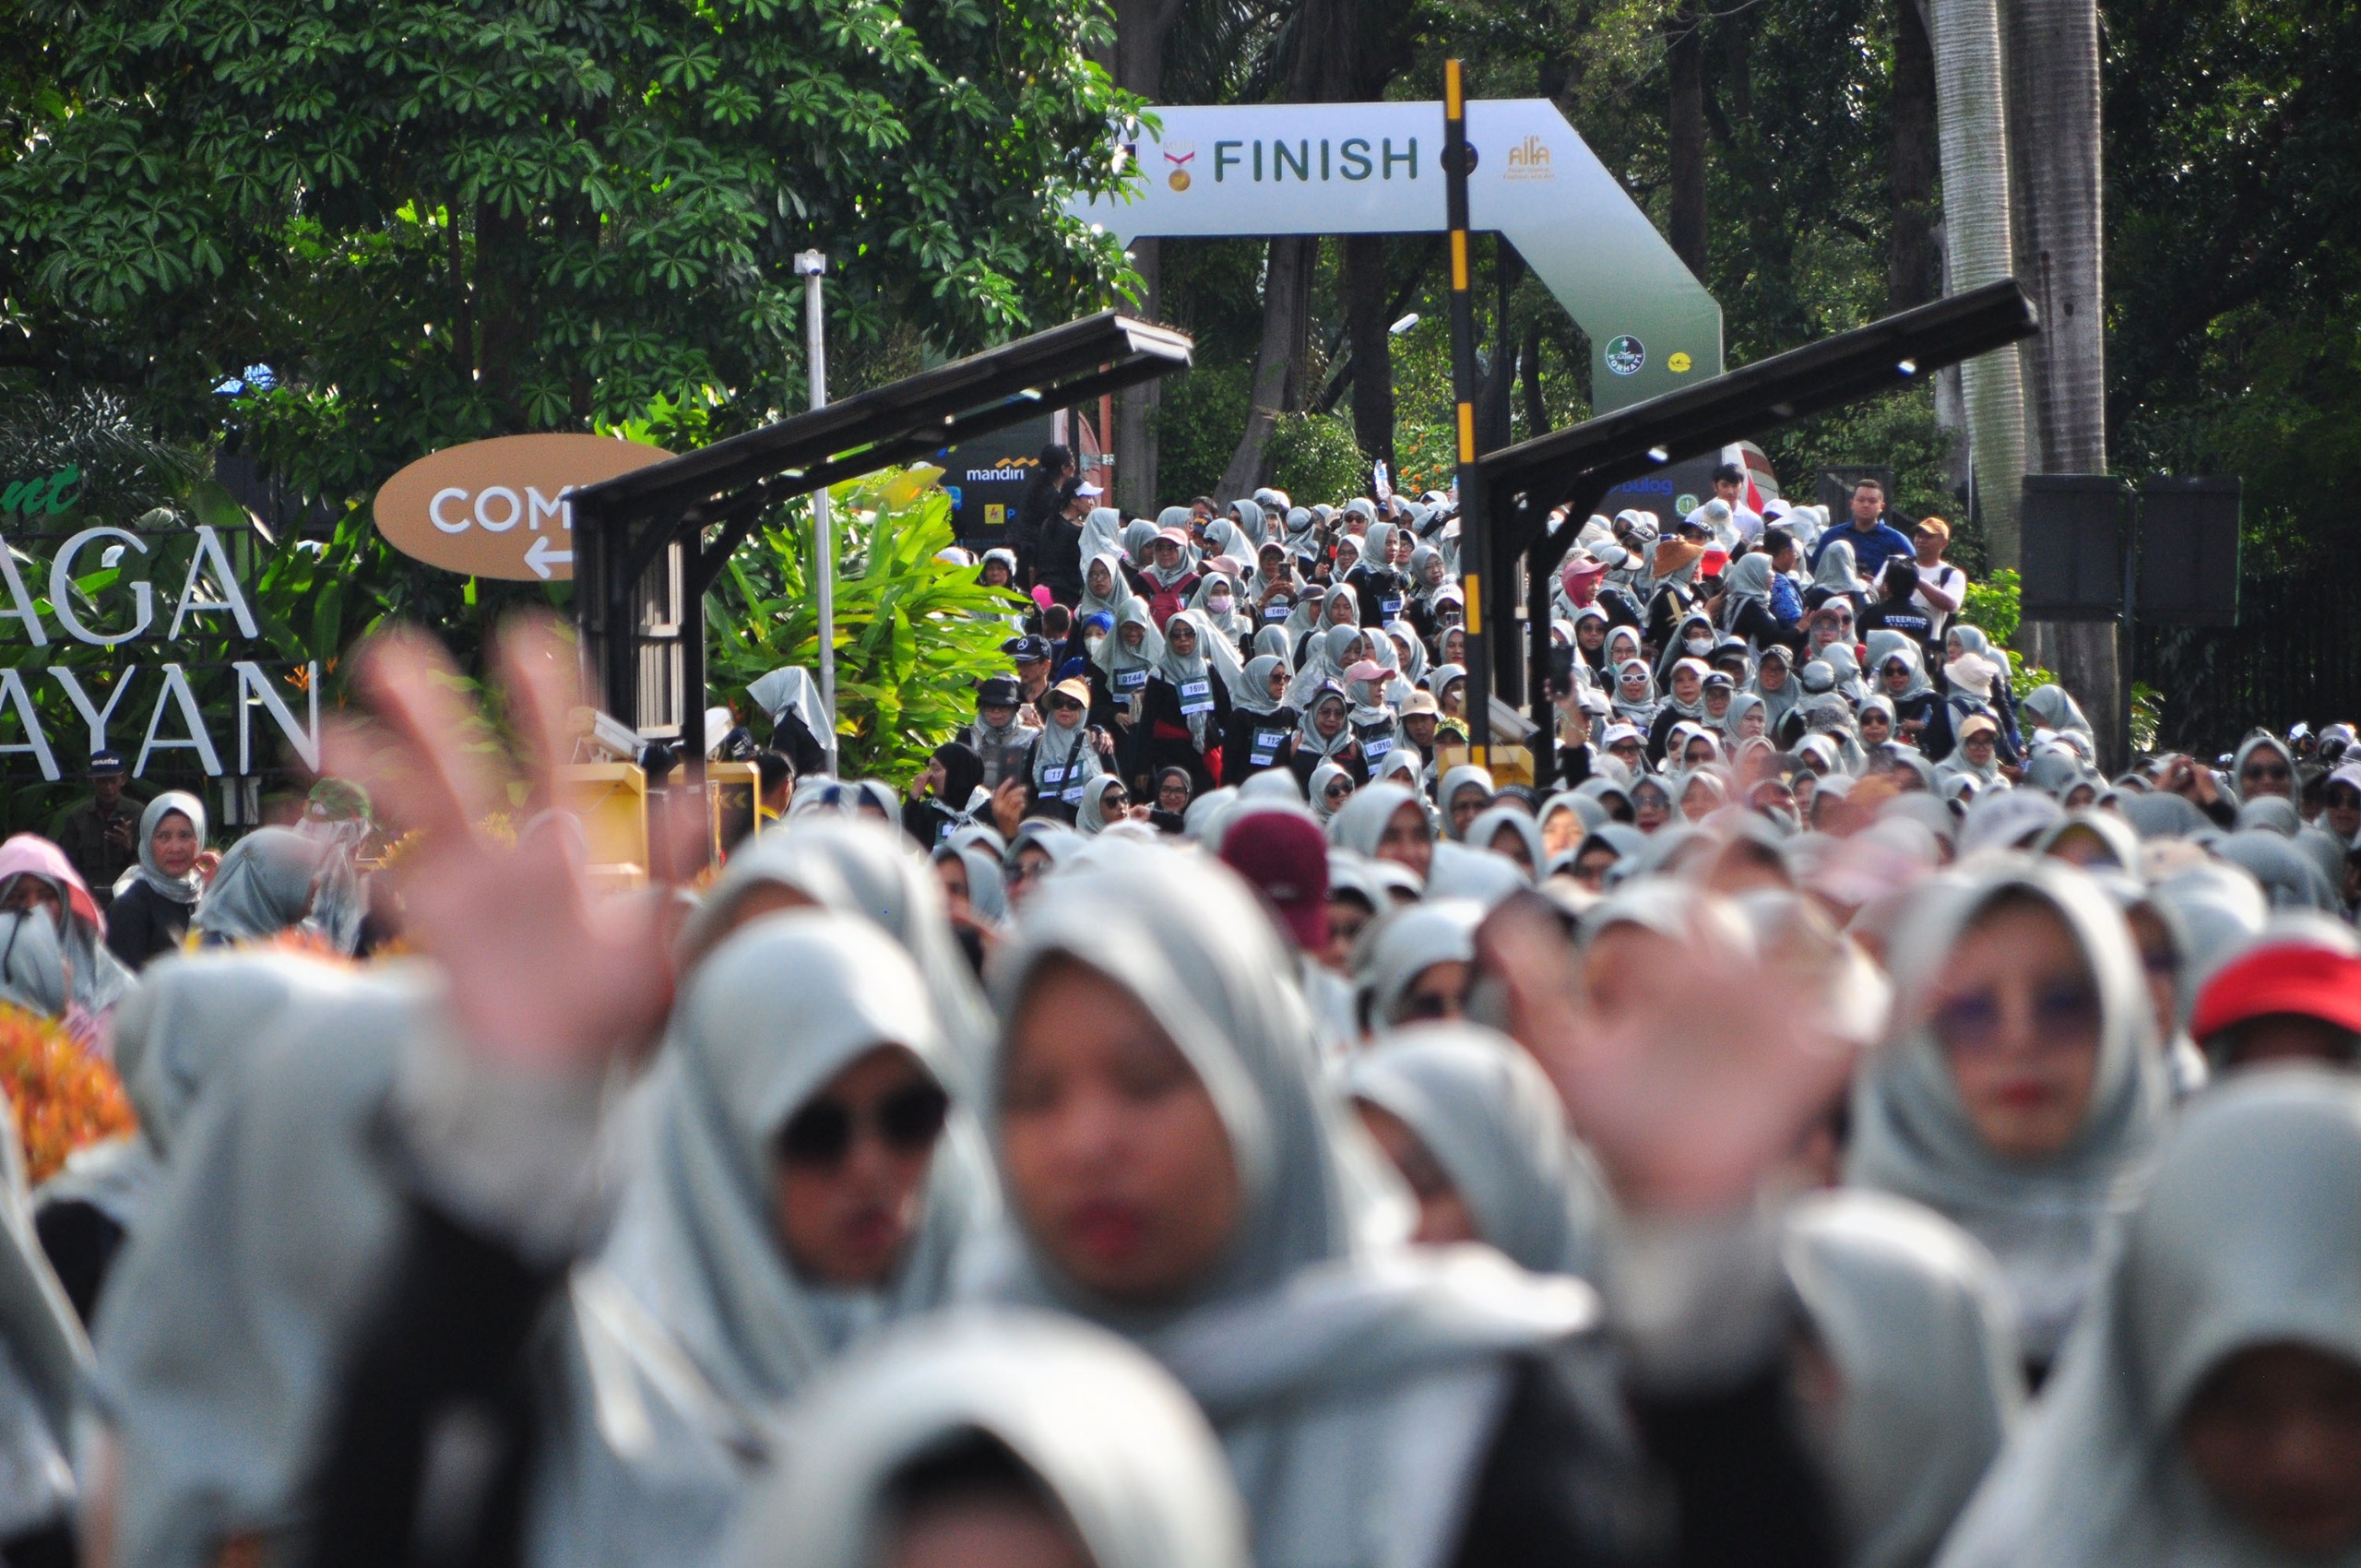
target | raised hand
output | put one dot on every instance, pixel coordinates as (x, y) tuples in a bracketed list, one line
[(1689, 1093), (541, 973)]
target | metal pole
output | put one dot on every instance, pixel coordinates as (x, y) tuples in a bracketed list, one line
[(810, 265), (2133, 517), (1475, 519)]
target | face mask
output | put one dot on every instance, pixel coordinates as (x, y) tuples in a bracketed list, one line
[(1096, 641), (1218, 603), (1699, 645)]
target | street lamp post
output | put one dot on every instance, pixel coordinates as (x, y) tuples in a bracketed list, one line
[(810, 266)]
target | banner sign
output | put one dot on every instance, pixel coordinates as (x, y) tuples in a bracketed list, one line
[(986, 478), (1376, 169), (107, 588), (498, 508)]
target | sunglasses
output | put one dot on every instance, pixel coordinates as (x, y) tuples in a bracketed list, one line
[(2063, 1016), (1427, 1005), (2275, 774), (820, 1135), (1064, 705), (1337, 791)]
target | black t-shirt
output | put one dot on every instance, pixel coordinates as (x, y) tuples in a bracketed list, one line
[(1911, 620)]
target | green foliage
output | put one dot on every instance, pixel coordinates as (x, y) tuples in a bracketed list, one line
[(1993, 606), (913, 634), (2147, 717), (1314, 456), (438, 220), (1197, 423)]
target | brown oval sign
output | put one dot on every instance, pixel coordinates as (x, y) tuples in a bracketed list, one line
[(498, 508)]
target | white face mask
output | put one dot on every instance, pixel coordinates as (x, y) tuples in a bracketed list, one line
[(1096, 641), (1699, 645)]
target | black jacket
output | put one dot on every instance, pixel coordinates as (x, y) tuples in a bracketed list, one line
[(143, 923)]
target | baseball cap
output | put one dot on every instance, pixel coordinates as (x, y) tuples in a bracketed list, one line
[(1074, 687), (1030, 648), (2312, 982), (106, 764), (1421, 702), (1283, 853), (1088, 490), (1935, 526)]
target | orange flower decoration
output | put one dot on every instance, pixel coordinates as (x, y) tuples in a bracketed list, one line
[(62, 1099)]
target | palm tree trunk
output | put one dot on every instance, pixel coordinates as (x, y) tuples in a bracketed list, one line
[(2053, 48), (1286, 298), (1685, 133), (1971, 98)]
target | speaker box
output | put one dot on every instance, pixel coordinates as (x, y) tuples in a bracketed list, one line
[(2074, 529), (2188, 551)]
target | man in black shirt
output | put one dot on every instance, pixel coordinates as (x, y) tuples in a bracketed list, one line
[(98, 835), (1898, 610)]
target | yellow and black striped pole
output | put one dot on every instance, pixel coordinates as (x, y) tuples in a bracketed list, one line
[(1475, 532)]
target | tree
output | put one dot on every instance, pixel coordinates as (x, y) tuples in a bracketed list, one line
[(438, 220), (1971, 101), (2054, 127)]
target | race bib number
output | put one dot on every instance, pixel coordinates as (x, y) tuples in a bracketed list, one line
[(1377, 748), (1267, 746), (1276, 611), (1052, 777), (1392, 607), (1196, 696), (1073, 797), (1129, 680)]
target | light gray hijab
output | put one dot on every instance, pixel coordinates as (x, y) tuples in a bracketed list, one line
[(1130, 1461), (224, 1322), (868, 869), (1912, 1136), (2249, 1234), (33, 965), (1361, 822), (1318, 1336), (1915, 1316), (262, 888), (1492, 1121), (187, 1020), (186, 887), (1409, 943), (769, 1019)]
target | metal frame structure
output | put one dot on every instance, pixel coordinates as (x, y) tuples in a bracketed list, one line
[(643, 560), (1521, 485)]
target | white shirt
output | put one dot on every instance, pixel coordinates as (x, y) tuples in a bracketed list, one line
[(1952, 581)]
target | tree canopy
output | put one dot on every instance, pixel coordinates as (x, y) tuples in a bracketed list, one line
[(435, 220)]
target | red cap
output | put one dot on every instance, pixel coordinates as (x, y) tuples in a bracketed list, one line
[(2313, 982), (1283, 854), (1715, 560)]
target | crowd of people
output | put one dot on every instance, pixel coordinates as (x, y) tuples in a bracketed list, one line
[(1205, 1120)]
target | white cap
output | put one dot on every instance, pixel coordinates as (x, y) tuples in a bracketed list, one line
[(1088, 489)]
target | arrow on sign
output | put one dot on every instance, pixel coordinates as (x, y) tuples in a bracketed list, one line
[(540, 557)]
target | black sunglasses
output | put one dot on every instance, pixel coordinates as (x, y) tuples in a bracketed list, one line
[(2273, 774), (821, 1135)]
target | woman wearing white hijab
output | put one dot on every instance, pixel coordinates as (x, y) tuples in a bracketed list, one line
[(1417, 965), (1326, 797), (1231, 1226), (182, 1026), (1185, 710), (1231, 621), (1910, 1314), (1463, 794), (263, 888), (996, 1437), (1327, 655), (1480, 1137), (1509, 831), (1105, 590), (1104, 803), (1386, 822), (2020, 1093), (865, 870), (796, 1196), (1102, 533), (44, 1361), (1127, 660), (2205, 1410), (151, 908), (1260, 722)]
